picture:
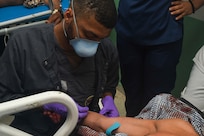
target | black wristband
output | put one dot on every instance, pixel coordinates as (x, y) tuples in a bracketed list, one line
[(192, 5)]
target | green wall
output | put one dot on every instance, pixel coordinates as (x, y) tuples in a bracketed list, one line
[(193, 40)]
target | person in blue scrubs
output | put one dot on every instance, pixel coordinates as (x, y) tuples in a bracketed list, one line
[(149, 41)]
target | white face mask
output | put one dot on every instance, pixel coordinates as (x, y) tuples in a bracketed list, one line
[(82, 47)]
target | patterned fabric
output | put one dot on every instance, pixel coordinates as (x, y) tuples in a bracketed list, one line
[(163, 106), (33, 3), (86, 131)]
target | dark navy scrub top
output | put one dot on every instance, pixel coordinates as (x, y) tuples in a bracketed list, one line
[(148, 22)]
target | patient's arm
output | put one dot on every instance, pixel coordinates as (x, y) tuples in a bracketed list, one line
[(140, 127), (4, 3)]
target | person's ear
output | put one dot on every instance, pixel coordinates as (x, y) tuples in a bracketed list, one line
[(68, 15)]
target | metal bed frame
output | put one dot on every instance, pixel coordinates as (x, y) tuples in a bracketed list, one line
[(30, 102), (15, 17)]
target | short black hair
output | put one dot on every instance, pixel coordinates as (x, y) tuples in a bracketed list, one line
[(104, 10)]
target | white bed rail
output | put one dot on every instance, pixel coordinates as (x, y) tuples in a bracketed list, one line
[(34, 101), (7, 31)]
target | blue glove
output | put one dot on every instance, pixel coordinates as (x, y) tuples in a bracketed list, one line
[(83, 111), (109, 109)]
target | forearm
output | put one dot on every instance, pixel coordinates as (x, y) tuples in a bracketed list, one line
[(57, 13), (107, 94), (133, 126), (198, 3), (130, 126), (93, 120)]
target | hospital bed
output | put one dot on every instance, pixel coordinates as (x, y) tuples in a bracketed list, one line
[(14, 17), (30, 102)]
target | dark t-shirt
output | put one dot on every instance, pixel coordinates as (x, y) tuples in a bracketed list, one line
[(78, 82)]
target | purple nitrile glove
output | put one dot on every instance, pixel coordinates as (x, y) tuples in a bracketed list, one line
[(109, 109), (57, 108), (62, 110), (83, 111)]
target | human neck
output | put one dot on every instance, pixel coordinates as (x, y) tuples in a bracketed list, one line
[(62, 39)]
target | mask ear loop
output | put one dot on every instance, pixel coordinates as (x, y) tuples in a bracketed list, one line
[(65, 33), (74, 17), (6, 37)]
